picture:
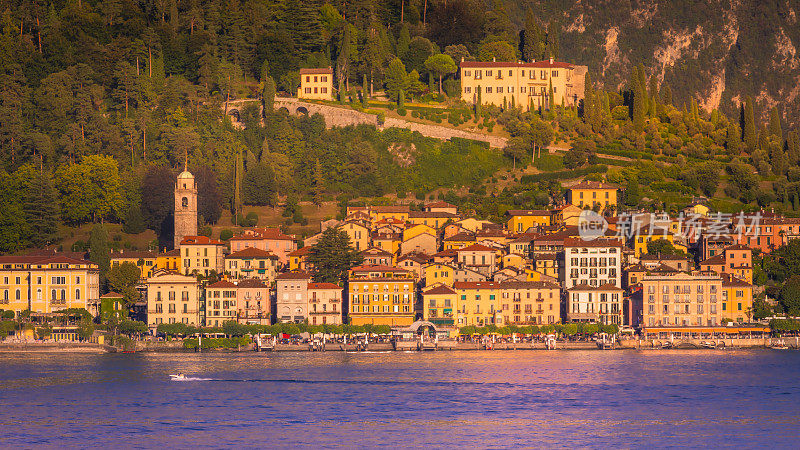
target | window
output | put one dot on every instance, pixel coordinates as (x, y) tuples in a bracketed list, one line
[(467, 73), (499, 89), (488, 90), (468, 90)]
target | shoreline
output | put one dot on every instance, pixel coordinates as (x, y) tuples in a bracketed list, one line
[(404, 346)]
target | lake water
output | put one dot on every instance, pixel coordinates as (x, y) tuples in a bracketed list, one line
[(444, 399)]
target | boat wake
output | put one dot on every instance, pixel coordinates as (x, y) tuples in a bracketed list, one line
[(191, 379)]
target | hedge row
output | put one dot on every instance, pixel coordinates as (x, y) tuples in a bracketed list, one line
[(209, 343), (563, 174)]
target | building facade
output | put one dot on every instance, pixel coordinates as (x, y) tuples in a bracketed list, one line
[(173, 298), (601, 304), (201, 255), (592, 262), (316, 84), (381, 295), (46, 284), (292, 297), (252, 263), (253, 302), (592, 194), (324, 304), (681, 299), (525, 85), (221, 304)]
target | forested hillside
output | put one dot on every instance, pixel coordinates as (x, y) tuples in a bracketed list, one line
[(102, 102)]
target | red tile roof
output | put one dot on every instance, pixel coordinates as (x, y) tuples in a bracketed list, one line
[(323, 286), (318, 70), (252, 252), (300, 251), (593, 185), (438, 290), (528, 212), (263, 233), (600, 242), (476, 248), (509, 64), (200, 240), (251, 283), (112, 294), (222, 284)]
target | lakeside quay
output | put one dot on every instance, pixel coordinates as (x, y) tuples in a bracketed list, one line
[(409, 346)]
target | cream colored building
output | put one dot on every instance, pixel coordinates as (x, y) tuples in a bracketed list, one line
[(46, 284), (601, 304), (681, 299), (201, 255), (253, 302), (221, 304), (173, 298), (316, 84), (324, 304), (252, 263), (522, 84)]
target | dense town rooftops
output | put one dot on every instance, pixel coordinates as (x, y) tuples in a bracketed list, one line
[(663, 257), (252, 252), (431, 215), (463, 236), (449, 253), (716, 260), (200, 240), (391, 209), (375, 251)]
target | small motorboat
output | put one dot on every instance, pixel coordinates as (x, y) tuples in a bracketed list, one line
[(177, 377)]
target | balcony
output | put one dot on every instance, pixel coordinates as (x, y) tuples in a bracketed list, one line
[(324, 313)]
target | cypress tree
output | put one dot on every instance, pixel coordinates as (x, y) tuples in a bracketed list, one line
[(40, 208), (639, 100), (749, 135), (732, 140), (796, 202), (653, 91), (587, 97), (666, 95), (777, 158), (552, 99), (775, 123), (763, 139), (531, 37), (793, 148), (478, 106)]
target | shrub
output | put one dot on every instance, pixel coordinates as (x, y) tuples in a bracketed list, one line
[(225, 234), (251, 219), (205, 230)]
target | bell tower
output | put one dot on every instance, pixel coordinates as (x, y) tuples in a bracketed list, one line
[(185, 207)]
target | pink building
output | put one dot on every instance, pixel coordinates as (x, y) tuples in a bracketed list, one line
[(267, 239)]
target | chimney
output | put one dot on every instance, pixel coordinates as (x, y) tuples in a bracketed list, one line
[(462, 59), (494, 59), (551, 60)]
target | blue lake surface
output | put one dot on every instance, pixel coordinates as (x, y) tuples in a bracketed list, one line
[(501, 399)]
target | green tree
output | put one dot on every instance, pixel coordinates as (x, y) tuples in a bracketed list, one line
[(440, 65), (333, 256), (640, 100), (40, 205), (90, 190), (159, 202), (209, 198), (258, 186), (533, 46), (749, 135), (396, 79), (268, 96), (99, 248), (496, 50), (789, 296), (633, 193), (123, 278), (775, 124), (662, 247)]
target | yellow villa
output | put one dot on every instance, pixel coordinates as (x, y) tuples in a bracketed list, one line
[(201, 254), (526, 85), (45, 284), (381, 295), (520, 220), (737, 299), (592, 194), (508, 302), (438, 304), (148, 262), (316, 84)]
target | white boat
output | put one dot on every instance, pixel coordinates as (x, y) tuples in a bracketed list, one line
[(177, 377)]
